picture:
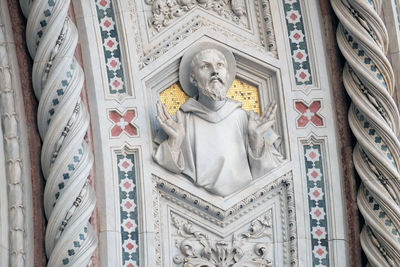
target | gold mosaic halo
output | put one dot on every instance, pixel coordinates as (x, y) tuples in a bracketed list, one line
[(184, 68), (173, 97)]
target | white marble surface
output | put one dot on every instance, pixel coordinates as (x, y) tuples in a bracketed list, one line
[(274, 77)]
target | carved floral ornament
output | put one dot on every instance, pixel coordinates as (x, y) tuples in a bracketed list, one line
[(247, 249), (164, 12)]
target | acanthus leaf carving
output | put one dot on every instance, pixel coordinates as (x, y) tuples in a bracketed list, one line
[(164, 12), (149, 52), (260, 226), (281, 188), (198, 250)]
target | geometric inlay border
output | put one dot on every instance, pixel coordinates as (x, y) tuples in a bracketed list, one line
[(111, 46), (298, 43), (128, 209), (317, 204)]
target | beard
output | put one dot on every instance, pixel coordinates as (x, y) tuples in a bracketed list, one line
[(216, 92)]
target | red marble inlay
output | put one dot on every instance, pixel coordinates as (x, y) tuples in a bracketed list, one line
[(129, 225), (107, 23), (123, 123), (316, 193), (314, 174), (309, 114), (127, 185), (320, 251), (103, 3), (317, 213), (130, 246), (299, 55), (116, 83), (113, 63), (319, 232), (125, 164), (128, 205)]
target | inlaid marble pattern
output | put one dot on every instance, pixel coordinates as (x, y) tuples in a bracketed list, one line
[(128, 210), (309, 114), (123, 123), (298, 42), (111, 46), (317, 204)]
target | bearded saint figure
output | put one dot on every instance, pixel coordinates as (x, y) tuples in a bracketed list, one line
[(212, 140)]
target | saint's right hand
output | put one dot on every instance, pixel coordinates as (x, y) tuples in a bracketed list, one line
[(174, 129)]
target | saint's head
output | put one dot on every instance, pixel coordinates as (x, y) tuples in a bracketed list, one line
[(209, 73)]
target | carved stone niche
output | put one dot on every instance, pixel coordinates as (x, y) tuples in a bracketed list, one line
[(194, 226), (264, 76)]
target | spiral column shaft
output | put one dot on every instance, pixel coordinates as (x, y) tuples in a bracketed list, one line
[(374, 120), (63, 121)]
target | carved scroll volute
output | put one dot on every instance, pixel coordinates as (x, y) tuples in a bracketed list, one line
[(199, 250)]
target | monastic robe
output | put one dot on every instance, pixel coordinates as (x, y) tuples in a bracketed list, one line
[(215, 152)]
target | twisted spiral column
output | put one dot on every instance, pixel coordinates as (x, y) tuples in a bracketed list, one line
[(374, 119), (63, 121)]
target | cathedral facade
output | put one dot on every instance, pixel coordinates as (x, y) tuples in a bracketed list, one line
[(199, 133)]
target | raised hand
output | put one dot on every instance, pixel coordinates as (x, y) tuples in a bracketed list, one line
[(258, 125), (174, 129)]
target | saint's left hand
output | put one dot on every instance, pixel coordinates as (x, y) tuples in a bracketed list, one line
[(258, 125)]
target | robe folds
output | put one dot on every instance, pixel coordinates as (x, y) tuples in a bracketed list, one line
[(215, 152)]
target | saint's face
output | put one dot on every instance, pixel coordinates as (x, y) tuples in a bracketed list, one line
[(210, 73)]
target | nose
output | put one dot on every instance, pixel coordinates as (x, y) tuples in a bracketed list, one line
[(214, 73), (214, 69)]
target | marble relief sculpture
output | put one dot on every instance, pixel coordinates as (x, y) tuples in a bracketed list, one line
[(165, 12), (212, 140)]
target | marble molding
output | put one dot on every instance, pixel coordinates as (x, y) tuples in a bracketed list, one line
[(16, 233)]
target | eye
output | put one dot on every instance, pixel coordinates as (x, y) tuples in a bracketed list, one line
[(219, 65), (204, 66)]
